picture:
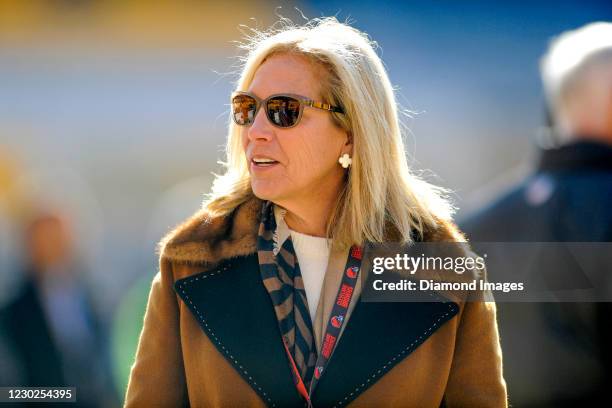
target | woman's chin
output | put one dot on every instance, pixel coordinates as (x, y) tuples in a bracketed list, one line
[(266, 190)]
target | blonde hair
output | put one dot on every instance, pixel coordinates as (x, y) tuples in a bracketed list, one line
[(380, 191)]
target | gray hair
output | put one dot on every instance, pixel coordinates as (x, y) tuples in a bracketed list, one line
[(577, 76)]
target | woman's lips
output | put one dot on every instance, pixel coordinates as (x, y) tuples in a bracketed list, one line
[(259, 166)]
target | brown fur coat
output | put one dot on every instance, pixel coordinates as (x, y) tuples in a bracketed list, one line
[(210, 337)]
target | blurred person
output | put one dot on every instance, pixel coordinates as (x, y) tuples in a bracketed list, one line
[(255, 290), (559, 354), (52, 331)]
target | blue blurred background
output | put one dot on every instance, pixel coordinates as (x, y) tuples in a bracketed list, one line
[(113, 113)]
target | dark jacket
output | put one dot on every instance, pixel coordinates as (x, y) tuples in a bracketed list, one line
[(567, 199), (29, 337), (558, 354), (39, 359)]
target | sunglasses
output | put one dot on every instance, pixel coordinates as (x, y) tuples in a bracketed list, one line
[(283, 110)]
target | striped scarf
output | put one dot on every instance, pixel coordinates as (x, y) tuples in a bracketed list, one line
[(282, 278)]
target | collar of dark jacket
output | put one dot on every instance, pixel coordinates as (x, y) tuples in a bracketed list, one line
[(204, 239), (580, 155)]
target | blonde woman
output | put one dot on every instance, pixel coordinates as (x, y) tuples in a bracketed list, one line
[(258, 289)]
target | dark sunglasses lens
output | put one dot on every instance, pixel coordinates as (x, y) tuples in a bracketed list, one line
[(283, 111), (243, 109)]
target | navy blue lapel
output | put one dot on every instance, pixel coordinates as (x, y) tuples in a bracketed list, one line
[(232, 306), (234, 309), (376, 338)]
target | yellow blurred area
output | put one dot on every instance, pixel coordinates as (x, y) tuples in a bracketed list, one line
[(8, 175), (128, 23), (13, 200)]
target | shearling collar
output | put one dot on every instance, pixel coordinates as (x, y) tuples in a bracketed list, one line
[(204, 239)]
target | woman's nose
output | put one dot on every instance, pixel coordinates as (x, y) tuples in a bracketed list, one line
[(260, 129)]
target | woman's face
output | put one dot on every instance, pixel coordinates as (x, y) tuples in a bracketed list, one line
[(306, 155)]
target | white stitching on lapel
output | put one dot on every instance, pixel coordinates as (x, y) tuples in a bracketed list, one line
[(451, 306), (214, 337)]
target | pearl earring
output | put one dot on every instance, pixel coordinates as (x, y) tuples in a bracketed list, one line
[(345, 160)]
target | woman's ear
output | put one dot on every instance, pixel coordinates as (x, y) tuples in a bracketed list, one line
[(348, 145)]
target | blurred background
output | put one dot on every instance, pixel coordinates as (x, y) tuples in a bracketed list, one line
[(113, 117)]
